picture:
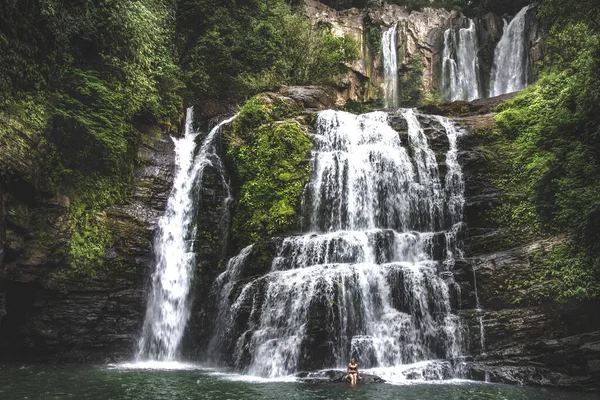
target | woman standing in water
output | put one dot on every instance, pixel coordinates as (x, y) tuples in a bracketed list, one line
[(352, 371)]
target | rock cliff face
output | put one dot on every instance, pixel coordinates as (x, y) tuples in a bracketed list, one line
[(215, 237), (420, 41), (546, 344), (420, 35), (48, 313), (536, 34)]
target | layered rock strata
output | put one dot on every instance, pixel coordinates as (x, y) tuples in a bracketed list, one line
[(420, 41), (46, 311), (512, 341)]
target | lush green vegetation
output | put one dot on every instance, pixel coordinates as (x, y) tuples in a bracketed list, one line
[(410, 82), (82, 83), (372, 36), (234, 49), (549, 139), (91, 75), (269, 153)]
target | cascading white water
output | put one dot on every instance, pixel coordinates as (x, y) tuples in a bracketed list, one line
[(167, 310), (460, 65), (480, 312), (432, 197), (390, 67), (509, 71), (454, 192), (371, 278), (454, 183)]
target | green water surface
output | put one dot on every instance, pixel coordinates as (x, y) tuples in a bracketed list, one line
[(114, 382)]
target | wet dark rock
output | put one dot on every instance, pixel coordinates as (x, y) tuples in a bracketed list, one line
[(434, 371), (319, 345), (536, 38), (465, 109), (213, 201), (335, 376), (546, 344), (435, 132), (47, 312), (570, 361), (436, 136), (311, 97), (397, 121), (154, 176), (489, 32), (2, 305)]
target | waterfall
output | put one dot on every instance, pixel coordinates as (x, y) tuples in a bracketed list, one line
[(460, 65), (371, 278), (167, 310), (480, 314), (454, 192), (390, 67), (509, 71)]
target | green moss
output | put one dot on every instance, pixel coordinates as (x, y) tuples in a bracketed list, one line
[(559, 274), (261, 257), (88, 243), (308, 118), (271, 165), (411, 82), (13, 241), (547, 173), (372, 35), (72, 117), (24, 149), (91, 236), (361, 107), (18, 215)]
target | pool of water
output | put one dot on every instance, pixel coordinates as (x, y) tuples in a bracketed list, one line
[(180, 381)]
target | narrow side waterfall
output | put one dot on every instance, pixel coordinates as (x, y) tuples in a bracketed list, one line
[(390, 67), (509, 71), (460, 65), (372, 277), (167, 310)]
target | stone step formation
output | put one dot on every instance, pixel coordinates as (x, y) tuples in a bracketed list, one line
[(371, 277), (382, 215)]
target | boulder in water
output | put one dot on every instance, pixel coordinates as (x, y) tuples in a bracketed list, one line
[(335, 376)]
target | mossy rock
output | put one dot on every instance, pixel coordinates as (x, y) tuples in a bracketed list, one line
[(268, 147)]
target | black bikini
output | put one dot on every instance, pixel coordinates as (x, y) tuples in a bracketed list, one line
[(352, 370)]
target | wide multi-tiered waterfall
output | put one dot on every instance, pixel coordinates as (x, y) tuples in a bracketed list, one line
[(460, 64), (390, 67), (509, 71), (372, 276), (167, 310)]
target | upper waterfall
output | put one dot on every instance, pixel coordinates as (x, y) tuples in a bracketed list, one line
[(167, 310), (509, 71), (371, 277), (390, 67), (460, 65)]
